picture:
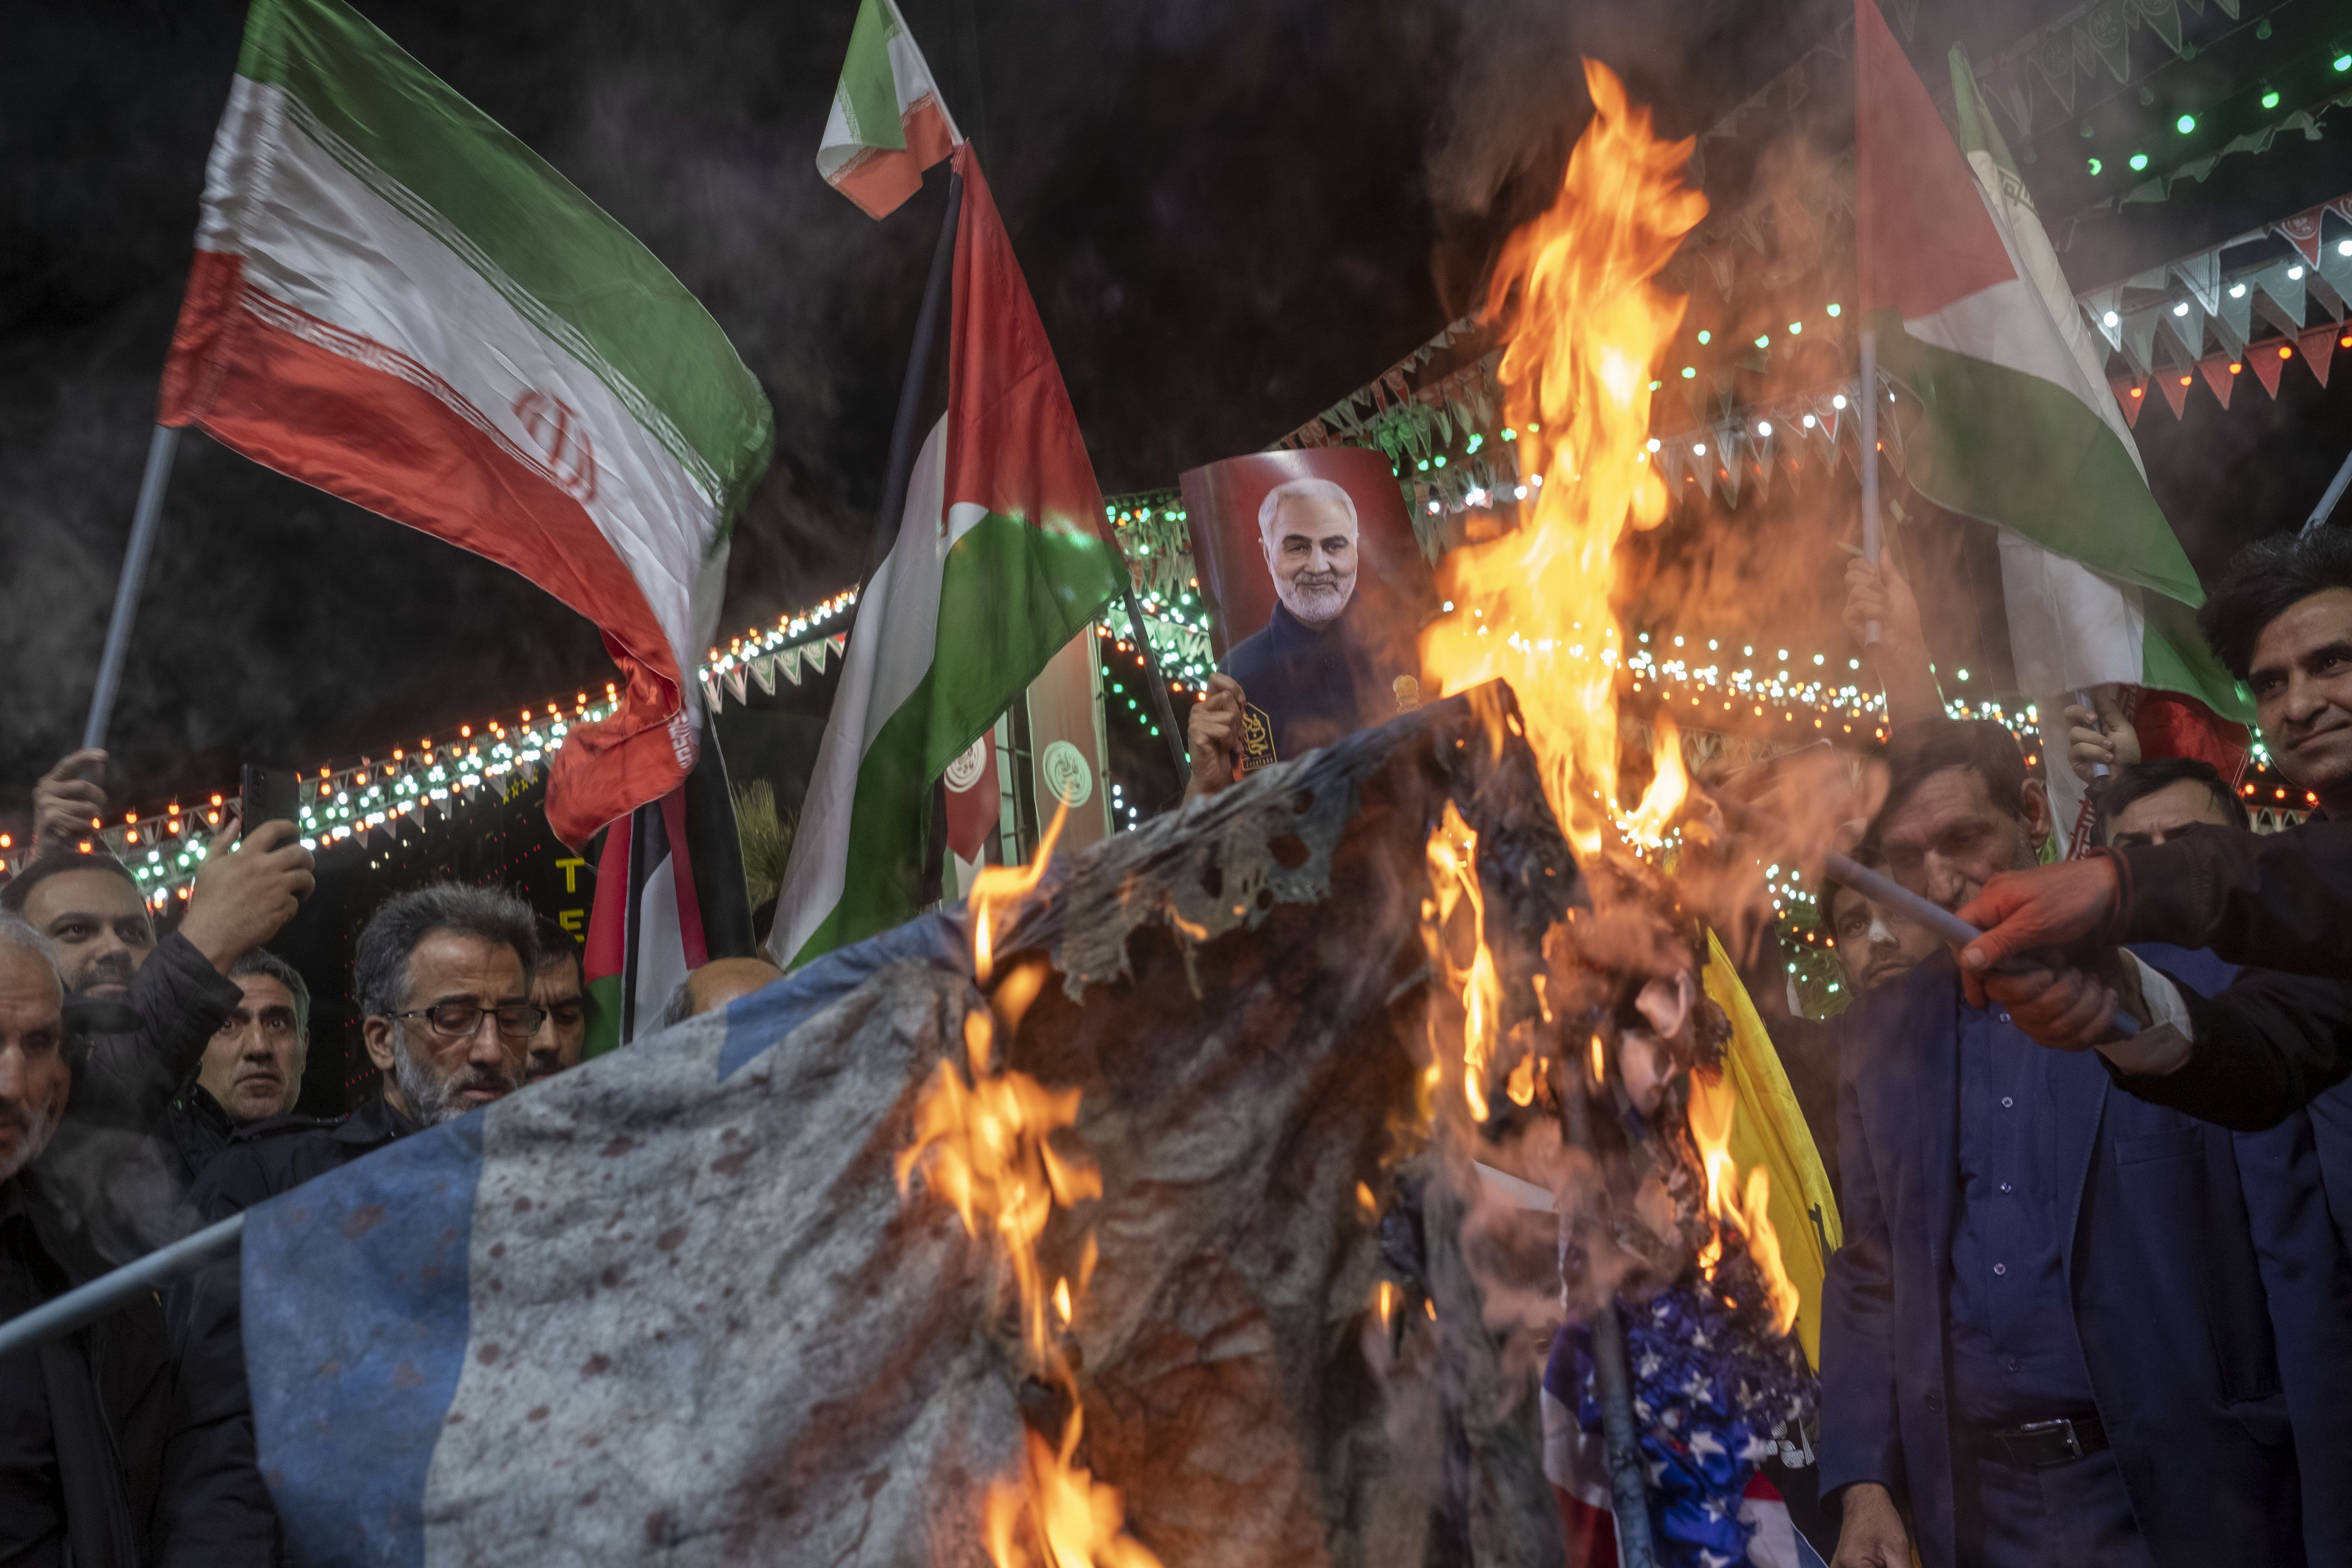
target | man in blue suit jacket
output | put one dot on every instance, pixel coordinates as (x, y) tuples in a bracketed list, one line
[(2047, 1328)]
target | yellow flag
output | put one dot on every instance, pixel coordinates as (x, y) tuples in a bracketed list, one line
[(1768, 1131)]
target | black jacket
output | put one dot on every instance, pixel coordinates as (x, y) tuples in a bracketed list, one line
[(194, 1131), (262, 1160), (97, 1441), (1306, 688), (278, 1153), (2270, 1044), (108, 1163)]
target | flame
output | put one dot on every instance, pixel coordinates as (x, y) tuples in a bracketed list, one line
[(1587, 332), (1712, 1105), (1522, 1085), (1384, 1301), (997, 885), (1669, 787), (1454, 884), (983, 1141)]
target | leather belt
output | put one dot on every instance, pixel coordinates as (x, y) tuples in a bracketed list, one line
[(2039, 1444)]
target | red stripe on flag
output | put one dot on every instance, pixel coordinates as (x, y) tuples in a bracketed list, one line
[(1922, 235), (879, 179), (1013, 445), (366, 422), (682, 865)]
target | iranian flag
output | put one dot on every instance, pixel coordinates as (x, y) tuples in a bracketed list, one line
[(997, 565), (1974, 316), (395, 301), (888, 122)]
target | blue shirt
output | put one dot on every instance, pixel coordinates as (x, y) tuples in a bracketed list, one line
[(2015, 1354)]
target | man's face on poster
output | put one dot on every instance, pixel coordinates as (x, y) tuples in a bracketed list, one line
[(1309, 537)]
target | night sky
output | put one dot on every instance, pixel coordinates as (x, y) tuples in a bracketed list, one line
[(1231, 212)]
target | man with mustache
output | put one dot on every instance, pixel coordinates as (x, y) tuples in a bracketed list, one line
[(443, 978), (253, 1069), (177, 989), (558, 991), (1324, 663)]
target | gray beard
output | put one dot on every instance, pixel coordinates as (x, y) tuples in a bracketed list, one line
[(431, 1101), (1318, 601), (38, 1130)]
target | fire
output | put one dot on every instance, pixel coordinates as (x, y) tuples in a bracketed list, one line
[(1453, 886), (1587, 332), (997, 885), (1713, 1104), (983, 1141)]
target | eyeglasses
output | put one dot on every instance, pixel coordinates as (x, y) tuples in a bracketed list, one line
[(459, 1020)]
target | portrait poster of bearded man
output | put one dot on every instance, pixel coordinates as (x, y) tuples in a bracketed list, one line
[(1318, 589)]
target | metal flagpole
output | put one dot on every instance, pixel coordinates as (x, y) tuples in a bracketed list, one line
[(160, 448), (1159, 701), (1870, 463), (85, 1304)]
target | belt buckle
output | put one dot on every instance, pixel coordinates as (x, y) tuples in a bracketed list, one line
[(2064, 1425)]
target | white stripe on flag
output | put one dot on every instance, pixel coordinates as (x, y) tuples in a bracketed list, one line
[(377, 273), (900, 609)]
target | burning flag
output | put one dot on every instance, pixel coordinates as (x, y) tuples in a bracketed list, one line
[(395, 301), (888, 122), (995, 565), (1974, 316)]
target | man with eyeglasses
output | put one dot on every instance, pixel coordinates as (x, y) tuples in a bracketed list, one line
[(558, 990), (442, 977)]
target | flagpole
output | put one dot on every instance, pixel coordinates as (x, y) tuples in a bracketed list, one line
[(633, 936), (160, 446), (1159, 701), (906, 431), (85, 1304), (1870, 464), (2318, 519)]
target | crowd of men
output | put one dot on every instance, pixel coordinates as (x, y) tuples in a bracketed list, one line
[(2094, 1303), (148, 1086)]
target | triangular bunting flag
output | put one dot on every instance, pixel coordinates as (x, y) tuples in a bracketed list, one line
[(2220, 372), (735, 684), (2302, 231), (2280, 296), (2138, 334), (2131, 393), (2268, 360), (2184, 319), (1703, 468), (764, 671), (2235, 320), (2203, 276), (789, 661), (2317, 347), (816, 654), (2176, 389), (840, 641), (710, 691), (2101, 303)]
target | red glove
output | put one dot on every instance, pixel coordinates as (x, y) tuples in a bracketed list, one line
[(2048, 906)]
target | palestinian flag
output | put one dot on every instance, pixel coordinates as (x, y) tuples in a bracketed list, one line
[(398, 302), (669, 898), (996, 564), (1975, 317), (888, 123)]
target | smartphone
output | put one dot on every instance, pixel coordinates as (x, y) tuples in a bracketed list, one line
[(271, 794)]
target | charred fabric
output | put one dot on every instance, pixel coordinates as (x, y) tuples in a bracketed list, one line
[(1317, 1293)]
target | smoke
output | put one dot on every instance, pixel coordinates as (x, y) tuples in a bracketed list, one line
[(1219, 207)]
